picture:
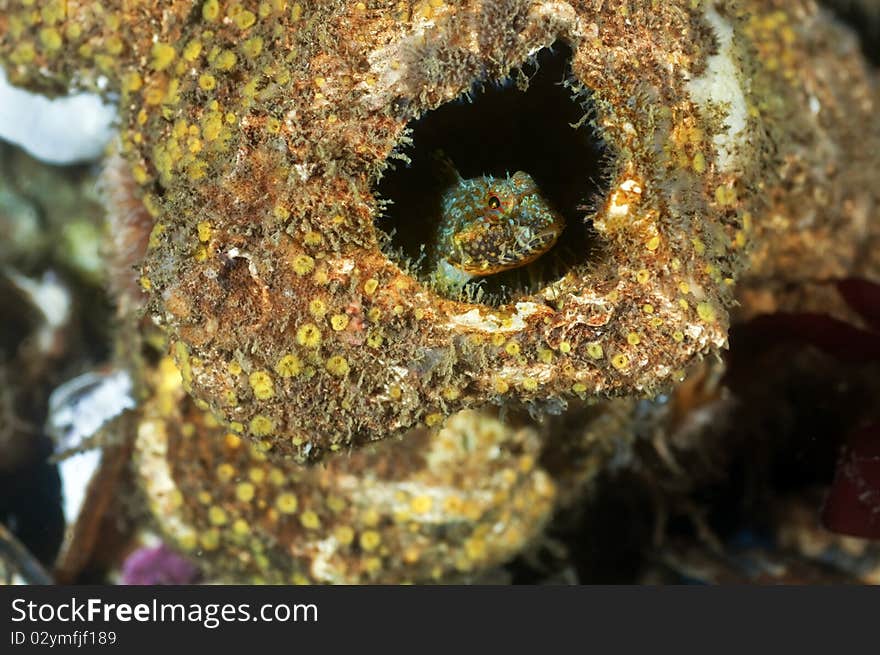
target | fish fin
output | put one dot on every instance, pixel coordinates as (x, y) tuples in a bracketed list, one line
[(445, 168)]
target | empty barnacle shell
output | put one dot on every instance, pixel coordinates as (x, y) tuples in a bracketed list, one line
[(258, 139)]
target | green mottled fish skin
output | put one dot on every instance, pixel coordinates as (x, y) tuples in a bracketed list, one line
[(493, 224)]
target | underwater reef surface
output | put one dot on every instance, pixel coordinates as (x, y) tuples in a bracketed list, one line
[(255, 137), (275, 189)]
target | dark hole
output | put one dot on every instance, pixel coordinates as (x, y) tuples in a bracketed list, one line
[(864, 18), (544, 130)]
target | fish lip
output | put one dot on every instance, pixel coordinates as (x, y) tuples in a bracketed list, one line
[(546, 239), (552, 234)]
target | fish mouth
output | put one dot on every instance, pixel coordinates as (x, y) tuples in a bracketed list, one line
[(522, 253), (486, 249), (536, 245)]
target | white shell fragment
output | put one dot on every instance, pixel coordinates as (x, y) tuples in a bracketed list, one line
[(64, 130), (82, 406)]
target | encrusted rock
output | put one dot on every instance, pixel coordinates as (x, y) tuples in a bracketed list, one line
[(737, 133)]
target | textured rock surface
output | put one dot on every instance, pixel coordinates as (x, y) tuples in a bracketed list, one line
[(256, 131), (434, 506), (740, 159)]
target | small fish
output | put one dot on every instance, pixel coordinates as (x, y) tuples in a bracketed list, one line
[(492, 224)]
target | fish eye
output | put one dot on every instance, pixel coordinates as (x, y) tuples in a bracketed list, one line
[(494, 202)]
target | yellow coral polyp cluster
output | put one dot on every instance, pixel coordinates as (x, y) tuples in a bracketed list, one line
[(256, 518), (256, 132)]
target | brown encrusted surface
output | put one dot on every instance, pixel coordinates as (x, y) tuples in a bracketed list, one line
[(255, 131), (441, 505), (820, 220), (436, 506)]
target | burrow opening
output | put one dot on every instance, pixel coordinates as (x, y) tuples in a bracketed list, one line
[(539, 120)]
